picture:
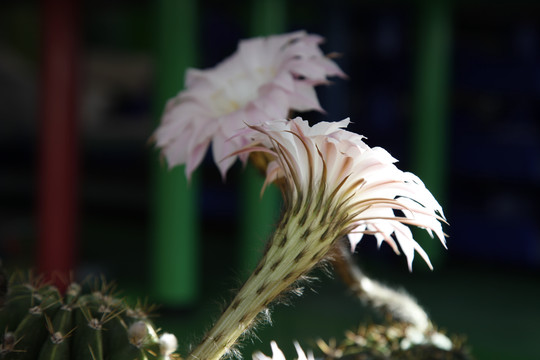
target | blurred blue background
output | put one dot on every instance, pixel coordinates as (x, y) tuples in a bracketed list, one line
[(486, 286)]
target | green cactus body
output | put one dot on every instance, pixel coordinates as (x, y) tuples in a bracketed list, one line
[(49, 294), (130, 352), (73, 292), (37, 323), (116, 335), (87, 342), (57, 345), (32, 331), (21, 297)]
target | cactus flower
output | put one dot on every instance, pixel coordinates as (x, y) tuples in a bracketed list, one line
[(328, 168), (333, 185), (264, 80)]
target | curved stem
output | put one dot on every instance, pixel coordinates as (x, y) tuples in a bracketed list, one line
[(301, 240), (397, 303)]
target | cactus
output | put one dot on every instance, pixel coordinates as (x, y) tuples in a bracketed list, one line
[(394, 341), (40, 323)]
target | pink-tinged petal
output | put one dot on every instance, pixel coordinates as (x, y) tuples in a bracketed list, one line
[(195, 157), (273, 172), (174, 121), (330, 67), (177, 152), (325, 128), (356, 236), (234, 124), (407, 244), (307, 70), (254, 115), (284, 81), (304, 98), (223, 145), (251, 52), (270, 100), (201, 135)]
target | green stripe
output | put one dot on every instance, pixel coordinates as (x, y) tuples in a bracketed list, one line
[(175, 212), (430, 129)]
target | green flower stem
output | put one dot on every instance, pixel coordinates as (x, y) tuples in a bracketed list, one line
[(303, 238)]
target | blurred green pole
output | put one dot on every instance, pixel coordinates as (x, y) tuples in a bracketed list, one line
[(259, 215), (430, 128), (175, 213)]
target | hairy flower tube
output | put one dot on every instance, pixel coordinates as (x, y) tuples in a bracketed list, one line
[(333, 185), (262, 81)]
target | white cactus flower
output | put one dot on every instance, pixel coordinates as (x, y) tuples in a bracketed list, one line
[(264, 80)]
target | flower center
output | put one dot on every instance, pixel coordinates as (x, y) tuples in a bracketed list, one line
[(239, 89)]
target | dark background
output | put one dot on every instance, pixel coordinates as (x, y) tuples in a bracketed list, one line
[(487, 285)]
